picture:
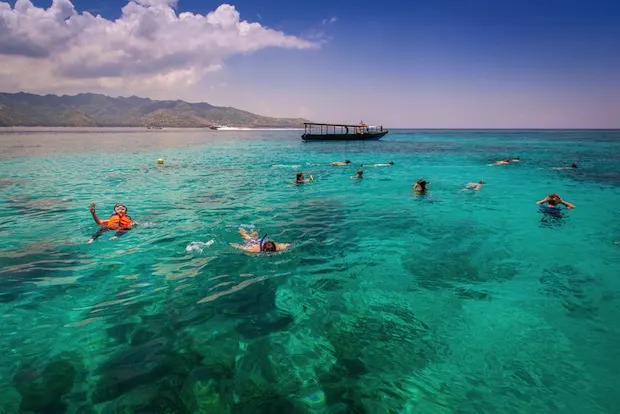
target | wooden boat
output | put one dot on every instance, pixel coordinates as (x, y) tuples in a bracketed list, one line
[(342, 132)]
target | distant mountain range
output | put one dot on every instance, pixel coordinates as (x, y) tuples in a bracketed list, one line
[(89, 109)]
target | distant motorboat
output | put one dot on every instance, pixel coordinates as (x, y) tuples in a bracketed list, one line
[(342, 132)]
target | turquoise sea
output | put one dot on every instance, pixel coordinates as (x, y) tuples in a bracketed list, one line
[(386, 301)]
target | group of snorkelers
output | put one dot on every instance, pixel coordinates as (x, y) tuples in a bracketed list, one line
[(121, 223), (300, 178), (517, 159)]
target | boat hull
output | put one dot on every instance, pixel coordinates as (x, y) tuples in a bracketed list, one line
[(370, 136)]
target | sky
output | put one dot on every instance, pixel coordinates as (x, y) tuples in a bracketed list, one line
[(418, 64)]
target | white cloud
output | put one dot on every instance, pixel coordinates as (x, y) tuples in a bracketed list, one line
[(150, 47)]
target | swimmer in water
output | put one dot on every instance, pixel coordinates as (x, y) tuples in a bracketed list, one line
[(359, 176), (554, 201), (300, 179), (255, 245), (502, 162), (118, 221), (389, 164), (475, 186), (420, 186), (572, 167), (340, 163)]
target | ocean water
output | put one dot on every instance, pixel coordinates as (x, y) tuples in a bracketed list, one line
[(386, 302)]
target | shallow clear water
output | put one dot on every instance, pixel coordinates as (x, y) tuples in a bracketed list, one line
[(453, 302)]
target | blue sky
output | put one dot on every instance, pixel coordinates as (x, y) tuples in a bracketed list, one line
[(431, 64)]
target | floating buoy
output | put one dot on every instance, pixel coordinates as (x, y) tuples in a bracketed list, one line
[(160, 161)]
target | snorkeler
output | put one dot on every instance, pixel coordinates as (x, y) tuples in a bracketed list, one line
[(340, 163), (389, 164), (420, 186), (502, 162), (300, 179), (255, 245), (118, 221), (554, 200), (475, 186)]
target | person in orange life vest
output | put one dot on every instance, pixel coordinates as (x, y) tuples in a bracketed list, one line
[(118, 221)]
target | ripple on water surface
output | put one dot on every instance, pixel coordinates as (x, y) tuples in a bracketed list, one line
[(386, 301)]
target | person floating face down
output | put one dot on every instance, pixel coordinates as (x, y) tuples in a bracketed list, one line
[(554, 201), (475, 186), (340, 163), (118, 221), (420, 186), (255, 245)]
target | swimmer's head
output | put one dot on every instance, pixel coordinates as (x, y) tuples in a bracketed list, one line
[(481, 182), (269, 246), (300, 176), (120, 209), (555, 197), (574, 165), (360, 172), (347, 162), (391, 162)]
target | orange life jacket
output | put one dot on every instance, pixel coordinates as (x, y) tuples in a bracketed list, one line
[(117, 222)]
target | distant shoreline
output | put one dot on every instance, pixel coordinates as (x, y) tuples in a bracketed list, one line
[(140, 128)]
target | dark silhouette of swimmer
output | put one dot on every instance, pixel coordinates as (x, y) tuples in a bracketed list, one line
[(118, 221), (360, 174), (574, 165)]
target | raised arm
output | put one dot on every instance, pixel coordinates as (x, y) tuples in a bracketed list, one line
[(567, 204), (543, 200), (94, 214), (248, 236)]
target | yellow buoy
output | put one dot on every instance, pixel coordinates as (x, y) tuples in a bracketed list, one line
[(160, 161)]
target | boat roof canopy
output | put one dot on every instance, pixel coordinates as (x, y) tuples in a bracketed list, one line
[(338, 125)]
